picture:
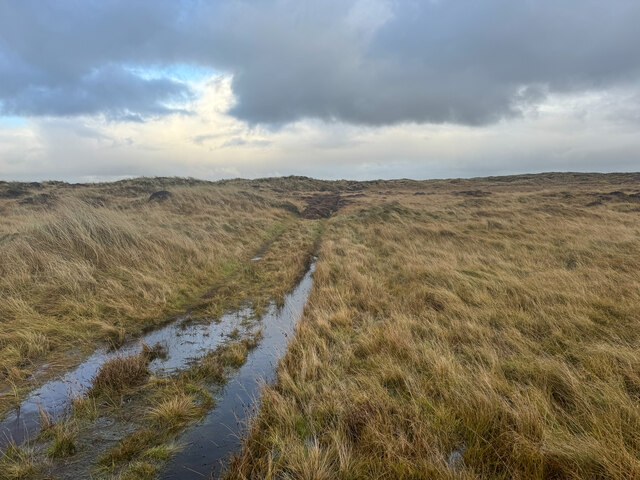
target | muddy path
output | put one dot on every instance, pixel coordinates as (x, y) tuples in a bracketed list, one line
[(323, 205), (209, 444), (186, 339), (219, 287), (183, 339), (205, 446)]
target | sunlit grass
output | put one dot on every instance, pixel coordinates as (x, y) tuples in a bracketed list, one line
[(482, 328), (464, 335), (101, 262)]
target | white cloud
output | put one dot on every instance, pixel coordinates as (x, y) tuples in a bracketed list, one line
[(566, 132), (339, 88)]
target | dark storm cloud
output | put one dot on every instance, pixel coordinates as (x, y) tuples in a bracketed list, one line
[(460, 61), (367, 62), (67, 58), (112, 91)]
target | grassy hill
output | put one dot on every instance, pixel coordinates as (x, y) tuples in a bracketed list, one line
[(464, 328)]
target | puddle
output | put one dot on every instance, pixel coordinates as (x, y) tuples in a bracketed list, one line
[(209, 444), (185, 341), (456, 458)]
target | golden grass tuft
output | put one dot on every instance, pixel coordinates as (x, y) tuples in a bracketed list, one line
[(161, 452), (129, 447), (63, 442), (175, 412), (119, 374), (139, 471), (18, 462), (230, 355), (234, 355), (85, 407)]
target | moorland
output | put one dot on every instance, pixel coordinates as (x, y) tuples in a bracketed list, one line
[(462, 328)]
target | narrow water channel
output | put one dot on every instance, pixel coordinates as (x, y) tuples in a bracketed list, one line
[(184, 340), (209, 444)]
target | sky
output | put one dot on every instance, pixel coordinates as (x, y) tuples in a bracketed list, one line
[(94, 90)]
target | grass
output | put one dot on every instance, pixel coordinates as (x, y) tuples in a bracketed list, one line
[(18, 462), (175, 412), (85, 408), (234, 356), (459, 334), (138, 471), (175, 403), (131, 446), (120, 373), (86, 267), (63, 443), (468, 329)]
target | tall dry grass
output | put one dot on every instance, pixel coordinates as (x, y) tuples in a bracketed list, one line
[(483, 328), (488, 334), (96, 263)]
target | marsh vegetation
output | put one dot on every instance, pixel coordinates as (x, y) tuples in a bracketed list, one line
[(483, 328)]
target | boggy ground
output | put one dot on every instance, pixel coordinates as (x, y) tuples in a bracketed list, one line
[(128, 424), (89, 264), (481, 328), (465, 329)]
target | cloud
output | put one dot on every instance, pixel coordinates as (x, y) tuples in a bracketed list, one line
[(241, 142), (457, 61), (111, 91), (567, 132), (364, 62), (72, 58), (202, 139)]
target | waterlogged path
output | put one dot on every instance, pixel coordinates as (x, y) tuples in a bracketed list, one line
[(209, 444), (184, 341)]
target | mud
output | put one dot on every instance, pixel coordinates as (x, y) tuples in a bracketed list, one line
[(322, 206), (105, 433), (473, 193), (160, 196), (616, 196), (43, 199)]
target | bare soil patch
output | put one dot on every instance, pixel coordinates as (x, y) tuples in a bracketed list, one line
[(322, 206)]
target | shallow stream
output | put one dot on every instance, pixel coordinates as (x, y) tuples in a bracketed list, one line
[(210, 442)]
